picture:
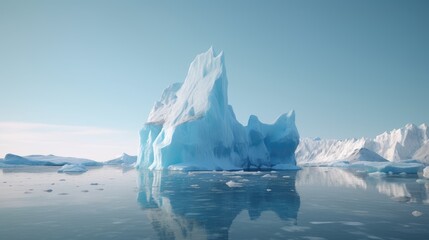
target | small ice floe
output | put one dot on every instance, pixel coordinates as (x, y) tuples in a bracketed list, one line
[(233, 184), (422, 181), (377, 174), (321, 223), (269, 190), (269, 176), (416, 213), (286, 176), (295, 228), (235, 176), (72, 168), (403, 174), (195, 186)]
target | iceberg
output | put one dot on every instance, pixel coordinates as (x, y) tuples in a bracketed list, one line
[(123, 160), (193, 127), (46, 160)]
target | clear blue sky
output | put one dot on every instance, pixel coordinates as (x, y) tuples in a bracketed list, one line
[(348, 68)]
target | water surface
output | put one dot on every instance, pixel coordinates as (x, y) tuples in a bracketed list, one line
[(112, 203)]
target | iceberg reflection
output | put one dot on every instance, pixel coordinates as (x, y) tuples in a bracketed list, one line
[(398, 188), (201, 205), (336, 177)]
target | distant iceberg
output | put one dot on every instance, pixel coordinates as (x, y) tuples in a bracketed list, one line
[(192, 127), (123, 160), (409, 142), (46, 160)]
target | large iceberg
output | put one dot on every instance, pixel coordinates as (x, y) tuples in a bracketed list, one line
[(192, 127)]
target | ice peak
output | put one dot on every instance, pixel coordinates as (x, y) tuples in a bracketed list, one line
[(286, 117), (410, 126)]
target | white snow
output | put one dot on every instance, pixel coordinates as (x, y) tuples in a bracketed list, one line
[(47, 160), (72, 168), (192, 127), (409, 142)]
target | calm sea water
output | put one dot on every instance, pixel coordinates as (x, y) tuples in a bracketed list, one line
[(111, 203)]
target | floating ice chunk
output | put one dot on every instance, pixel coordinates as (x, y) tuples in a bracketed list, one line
[(377, 174), (417, 213), (320, 223), (422, 181), (269, 176), (233, 184), (72, 168)]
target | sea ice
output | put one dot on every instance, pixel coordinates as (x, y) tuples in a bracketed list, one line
[(193, 127)]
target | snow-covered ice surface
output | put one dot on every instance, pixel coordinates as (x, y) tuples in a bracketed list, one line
[(72, 168), (193, 127), (313, 203), (409, 142), (47, 160)]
